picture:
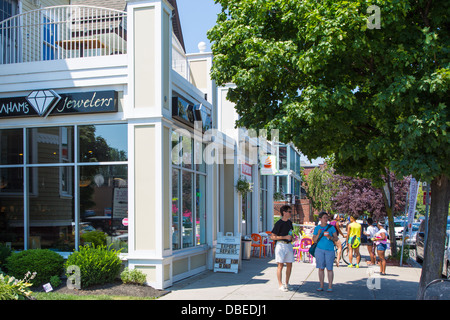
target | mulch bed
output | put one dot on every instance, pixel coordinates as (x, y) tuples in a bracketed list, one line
[(113, 289)]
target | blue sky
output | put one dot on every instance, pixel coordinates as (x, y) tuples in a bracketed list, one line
[(197, 17)]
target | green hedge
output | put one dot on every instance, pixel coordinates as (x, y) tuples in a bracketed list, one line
[(98, 265), (44, 262)]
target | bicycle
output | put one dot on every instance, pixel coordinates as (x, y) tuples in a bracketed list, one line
[(344, 253)]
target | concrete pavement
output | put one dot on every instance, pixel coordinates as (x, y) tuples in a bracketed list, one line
[(257, 281)]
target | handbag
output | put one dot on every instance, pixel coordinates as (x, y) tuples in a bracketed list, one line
[(312, 249)]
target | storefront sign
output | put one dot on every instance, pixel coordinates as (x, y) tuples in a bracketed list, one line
[(45, 103), (268, 165), (246, 169), (227, 253), (120, 199)]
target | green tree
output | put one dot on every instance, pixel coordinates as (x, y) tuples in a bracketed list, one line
[(375, 99), (319, 186)]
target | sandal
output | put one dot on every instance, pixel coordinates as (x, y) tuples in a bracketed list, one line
[(329, 290), (319, 289)]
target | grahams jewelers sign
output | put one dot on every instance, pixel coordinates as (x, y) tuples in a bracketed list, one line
[(43, 103)]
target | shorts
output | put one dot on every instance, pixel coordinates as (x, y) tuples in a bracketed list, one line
[(381, 247), (324, 259), (358, 239), (284, 253)]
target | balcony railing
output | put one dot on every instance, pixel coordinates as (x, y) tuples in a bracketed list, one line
[(63, 32)]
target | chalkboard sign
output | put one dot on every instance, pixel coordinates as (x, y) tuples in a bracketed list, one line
[(228, 251)]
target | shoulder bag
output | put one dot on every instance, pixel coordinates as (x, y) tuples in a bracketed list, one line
[(312, 249)]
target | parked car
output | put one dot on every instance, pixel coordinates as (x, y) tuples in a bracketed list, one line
[(446, 267), (398, 227), (411, 241), (420, 242)]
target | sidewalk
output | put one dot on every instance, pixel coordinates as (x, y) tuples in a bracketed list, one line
[(257, 281)]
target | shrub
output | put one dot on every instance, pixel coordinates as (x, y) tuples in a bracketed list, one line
[(44, 262), (13, 289), (5, 252), (98, 265), (55, 281), (96, 237), (133, 276)]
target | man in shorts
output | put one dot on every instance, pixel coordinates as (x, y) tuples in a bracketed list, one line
[(284, 252)]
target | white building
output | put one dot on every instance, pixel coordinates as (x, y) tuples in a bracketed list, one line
[(97, 110)]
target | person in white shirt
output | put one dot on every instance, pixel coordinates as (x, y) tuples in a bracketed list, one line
[(370, 233)]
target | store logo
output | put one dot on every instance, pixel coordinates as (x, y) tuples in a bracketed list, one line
[(43, 101)]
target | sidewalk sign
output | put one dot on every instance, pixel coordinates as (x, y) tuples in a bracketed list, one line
[(228, 251)]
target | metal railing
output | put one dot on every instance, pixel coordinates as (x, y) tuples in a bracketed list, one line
[(63, 32)]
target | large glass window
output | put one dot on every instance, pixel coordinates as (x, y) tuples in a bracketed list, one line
[(62, 192), (187, 230), (188, 192), (263, 203), (282, 155), (50, 145), (176, 209), (200, 201), (99, 143), (11, 146), (51, 209), (104, 205), (11, 208)]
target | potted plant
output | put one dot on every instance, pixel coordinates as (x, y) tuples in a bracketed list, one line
[(278, 196), (243, 186)]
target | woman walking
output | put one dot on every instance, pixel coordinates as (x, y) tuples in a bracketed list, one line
[(381, 243), (335, 223), (354, 241)]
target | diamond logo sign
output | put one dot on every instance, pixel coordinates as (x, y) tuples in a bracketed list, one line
[(43, 101)]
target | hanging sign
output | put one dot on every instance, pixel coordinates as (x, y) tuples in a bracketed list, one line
[(246, 169), (227, 253), (268, 165)]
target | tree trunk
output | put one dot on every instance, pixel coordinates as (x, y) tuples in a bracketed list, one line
[(390, 205), (437, 225)]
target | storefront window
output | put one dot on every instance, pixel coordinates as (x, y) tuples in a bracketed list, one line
[(188, 192), (282, 184), (11, 146), (51, 210), (187, 205), (97, 197), (200, 201), (50, 145), (263, 203), (175, 209), (104, 205), (11, 208), (247, 213), (282, 162), (99, 143), (187, 152)]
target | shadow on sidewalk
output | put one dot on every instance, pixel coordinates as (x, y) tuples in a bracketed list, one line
[(252, 272)]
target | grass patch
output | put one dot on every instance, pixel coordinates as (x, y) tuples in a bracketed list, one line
[(61, 296)]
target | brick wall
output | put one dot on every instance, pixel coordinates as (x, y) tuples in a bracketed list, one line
[(301, 210)]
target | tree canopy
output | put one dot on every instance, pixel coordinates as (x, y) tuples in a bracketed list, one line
[(375, 99)]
